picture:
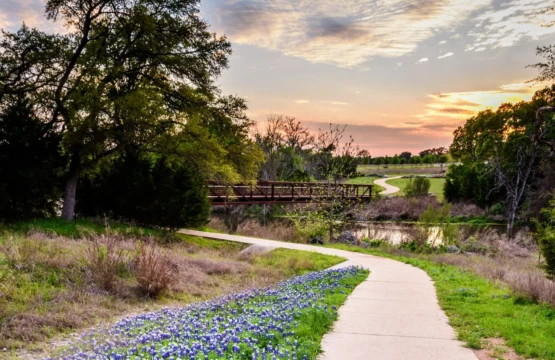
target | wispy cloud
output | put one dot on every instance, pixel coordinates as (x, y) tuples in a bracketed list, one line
[(462, 105), (346, 34), (302, 101), (423, 60), (509, 22), (445, 55)]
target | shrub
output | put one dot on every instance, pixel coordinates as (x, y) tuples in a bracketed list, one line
[(31, 165), (545, 236), (418, 187), (470, 182), (154, 270), (149, 191)]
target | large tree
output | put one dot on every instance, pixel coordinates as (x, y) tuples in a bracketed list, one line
[(129, 74), (511, 142)]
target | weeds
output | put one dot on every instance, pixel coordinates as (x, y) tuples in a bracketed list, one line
[(154, 271), (105, 260)]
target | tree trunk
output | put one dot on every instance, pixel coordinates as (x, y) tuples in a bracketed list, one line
[(70, 196), (511, 223)]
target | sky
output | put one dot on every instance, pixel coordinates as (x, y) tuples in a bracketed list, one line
[(402, 74)]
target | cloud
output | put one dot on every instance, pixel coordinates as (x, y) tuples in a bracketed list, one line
[(462, 105), (14, 13), (345, 34), (445, 55), (509, 22), (423, 60), (442, 42), (302, 101)]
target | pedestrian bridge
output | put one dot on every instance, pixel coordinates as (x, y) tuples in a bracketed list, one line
[(274, 192)]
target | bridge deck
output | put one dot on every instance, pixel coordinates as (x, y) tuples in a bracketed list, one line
[(267, 192)]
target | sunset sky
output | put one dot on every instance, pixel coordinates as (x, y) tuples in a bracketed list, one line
[(402, 74)]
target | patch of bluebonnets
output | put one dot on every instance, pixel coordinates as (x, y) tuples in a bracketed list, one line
[(255, 324)]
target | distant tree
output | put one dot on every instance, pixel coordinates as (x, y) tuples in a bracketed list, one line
[(286, 144), (333, 160), (364, 157), (378, 161), (416, 160), (405, 155), (395, 160)]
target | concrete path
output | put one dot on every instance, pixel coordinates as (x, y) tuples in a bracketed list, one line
[(389, 189), (393, 315)]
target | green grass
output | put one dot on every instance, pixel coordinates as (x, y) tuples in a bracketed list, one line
[(479, 309), (436, 186), (212, 244), (294, 262), (366, 180), (314, 324)]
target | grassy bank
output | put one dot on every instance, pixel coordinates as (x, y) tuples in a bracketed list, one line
[(58, 276), (481, 309)]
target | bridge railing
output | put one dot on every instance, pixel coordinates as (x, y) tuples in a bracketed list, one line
[(265, 192)]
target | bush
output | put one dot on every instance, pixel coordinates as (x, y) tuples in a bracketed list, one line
[(470, 182), (545, 236), (154, 271), (31, 165), (418, 187), (152, 192)]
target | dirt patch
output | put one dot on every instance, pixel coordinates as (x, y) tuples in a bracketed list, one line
[(495, 349)]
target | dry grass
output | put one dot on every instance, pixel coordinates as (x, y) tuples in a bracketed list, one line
[(403, 208), (154, 271), (275, 230)]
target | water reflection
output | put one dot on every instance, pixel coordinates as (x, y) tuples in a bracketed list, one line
[(396, 233)]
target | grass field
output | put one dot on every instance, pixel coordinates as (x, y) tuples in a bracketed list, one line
[(481, 310), (436, 186), (367, 180), (58, 276)]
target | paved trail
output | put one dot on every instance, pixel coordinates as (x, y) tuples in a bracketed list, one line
[(393, 315), (389, 189)]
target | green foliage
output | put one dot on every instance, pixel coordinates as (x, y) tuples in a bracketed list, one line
[(418, 187), (149, 191), (471, 182), (545, 236), (31, 164), (132, 75)]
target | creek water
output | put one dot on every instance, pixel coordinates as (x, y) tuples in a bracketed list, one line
[(396, 233)]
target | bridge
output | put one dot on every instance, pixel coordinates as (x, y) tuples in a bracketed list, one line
[(277, 192)]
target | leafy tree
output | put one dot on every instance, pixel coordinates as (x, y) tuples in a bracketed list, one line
[(511, 141), (378, 161), (133, 75), (30, 174)]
